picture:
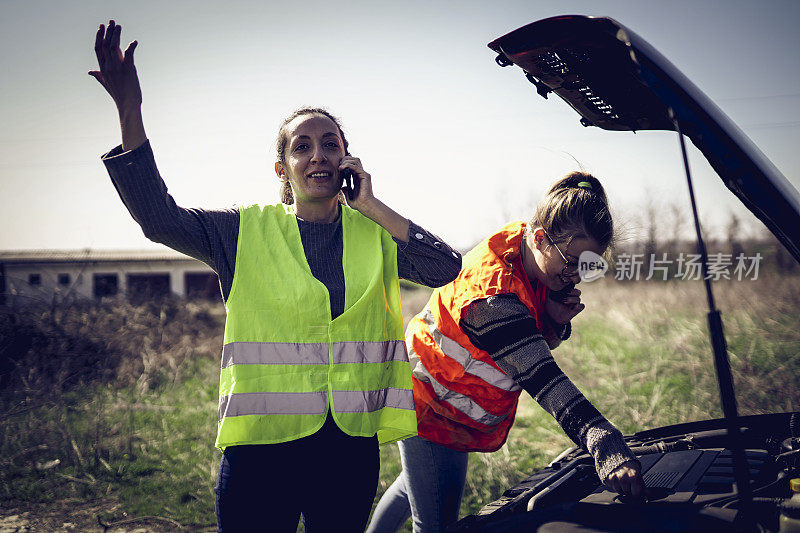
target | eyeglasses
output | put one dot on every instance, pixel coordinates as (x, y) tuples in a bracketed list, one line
[(570, 267)]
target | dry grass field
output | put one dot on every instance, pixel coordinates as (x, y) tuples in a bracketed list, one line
[(105, 406)]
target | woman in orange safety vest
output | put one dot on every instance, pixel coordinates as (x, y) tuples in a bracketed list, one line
[(485, 337)]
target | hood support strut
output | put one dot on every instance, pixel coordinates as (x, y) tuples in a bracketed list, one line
[(721, 362)]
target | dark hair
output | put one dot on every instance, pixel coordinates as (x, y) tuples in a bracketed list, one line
[(576, 205), (286, 190)]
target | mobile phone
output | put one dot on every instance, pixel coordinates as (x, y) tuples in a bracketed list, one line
[(348, 185)]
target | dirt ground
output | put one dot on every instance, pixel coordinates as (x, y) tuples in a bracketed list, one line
[(81, 516)]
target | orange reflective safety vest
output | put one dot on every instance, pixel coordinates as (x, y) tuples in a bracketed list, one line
[(463, 400)]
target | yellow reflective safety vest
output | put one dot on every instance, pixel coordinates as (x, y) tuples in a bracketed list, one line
[(285, 363)]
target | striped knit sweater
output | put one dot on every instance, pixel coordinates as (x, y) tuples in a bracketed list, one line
[(502, 326)]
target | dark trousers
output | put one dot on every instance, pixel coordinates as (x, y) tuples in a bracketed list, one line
[(329, 476)]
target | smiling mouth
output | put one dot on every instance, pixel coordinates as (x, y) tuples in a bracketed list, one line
[(320, 175)]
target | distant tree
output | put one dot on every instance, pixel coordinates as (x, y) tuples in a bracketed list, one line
[(783, 259), (734, 235), (650, 243), (677, 224)]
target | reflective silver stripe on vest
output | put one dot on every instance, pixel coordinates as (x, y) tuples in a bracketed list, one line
[(273, 403), (345, 401), (463, 403), (461, 355), (274, 353), (369, 352)]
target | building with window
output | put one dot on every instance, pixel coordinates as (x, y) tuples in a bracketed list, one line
[(61, 275)]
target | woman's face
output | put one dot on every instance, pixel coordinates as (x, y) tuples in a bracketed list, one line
[(313, 151), (550, 267)]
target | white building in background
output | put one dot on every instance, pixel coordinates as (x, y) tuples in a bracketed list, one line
[(62, 275)]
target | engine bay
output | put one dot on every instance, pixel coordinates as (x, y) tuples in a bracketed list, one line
[(689, 473)]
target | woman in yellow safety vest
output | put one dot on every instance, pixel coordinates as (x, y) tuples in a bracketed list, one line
[(315, 373)]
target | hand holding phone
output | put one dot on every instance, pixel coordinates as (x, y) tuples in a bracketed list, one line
[(562, 306)]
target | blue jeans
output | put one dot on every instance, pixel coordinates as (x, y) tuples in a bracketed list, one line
[(428, 489)]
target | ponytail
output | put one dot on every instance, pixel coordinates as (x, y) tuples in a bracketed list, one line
[(287, 197)]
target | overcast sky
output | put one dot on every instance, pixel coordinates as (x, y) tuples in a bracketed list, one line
[(452, 141)]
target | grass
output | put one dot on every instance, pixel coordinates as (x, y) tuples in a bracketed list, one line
[(73, 435), (113, 404)]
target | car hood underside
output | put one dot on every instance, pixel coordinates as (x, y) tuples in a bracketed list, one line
[(617, 81)]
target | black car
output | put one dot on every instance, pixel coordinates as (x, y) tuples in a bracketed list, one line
[(729, 474)]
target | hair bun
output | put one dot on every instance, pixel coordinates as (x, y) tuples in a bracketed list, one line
[(566, 211)]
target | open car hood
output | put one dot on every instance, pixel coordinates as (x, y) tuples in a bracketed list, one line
[(701, 476), (616, 81)]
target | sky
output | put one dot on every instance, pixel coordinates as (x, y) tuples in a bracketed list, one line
[(452, 141)]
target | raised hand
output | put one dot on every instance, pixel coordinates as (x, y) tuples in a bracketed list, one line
[(117, 72), (118, 76)]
